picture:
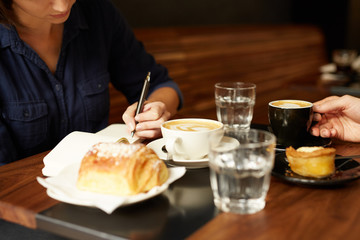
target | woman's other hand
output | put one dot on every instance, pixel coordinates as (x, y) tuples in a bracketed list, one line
[(337, 117)]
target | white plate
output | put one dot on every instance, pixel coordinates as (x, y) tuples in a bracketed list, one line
[(157, 145), (63, 188)]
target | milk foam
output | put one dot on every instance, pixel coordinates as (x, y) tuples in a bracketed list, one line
[(191, 126), (289, 105)]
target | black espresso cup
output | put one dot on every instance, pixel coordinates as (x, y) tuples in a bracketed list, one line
[(290, 121)]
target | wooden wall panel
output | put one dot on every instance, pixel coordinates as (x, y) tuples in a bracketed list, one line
[(271, 56)]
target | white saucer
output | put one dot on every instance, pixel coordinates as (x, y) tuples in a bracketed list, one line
[(157, 145)]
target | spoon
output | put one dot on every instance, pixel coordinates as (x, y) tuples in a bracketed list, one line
[(123, 140), (346, 157), (343, 157)]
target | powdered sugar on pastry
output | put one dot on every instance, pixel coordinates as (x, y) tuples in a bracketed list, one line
[(308, 149), (109, 149)]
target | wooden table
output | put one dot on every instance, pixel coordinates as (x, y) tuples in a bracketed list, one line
[(292, 211)]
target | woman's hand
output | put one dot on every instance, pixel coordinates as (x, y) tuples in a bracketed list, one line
[(149, 120), (162, 105), (337, 117)]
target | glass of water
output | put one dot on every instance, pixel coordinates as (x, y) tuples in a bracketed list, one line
[(235, 104), (240, 174)]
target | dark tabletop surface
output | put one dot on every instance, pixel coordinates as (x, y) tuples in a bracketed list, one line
[(182, 209)]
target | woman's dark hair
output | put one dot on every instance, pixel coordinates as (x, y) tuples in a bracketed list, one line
[(6, 13)]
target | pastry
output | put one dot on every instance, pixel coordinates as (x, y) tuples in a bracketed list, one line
[(121, 169), (315, 162)]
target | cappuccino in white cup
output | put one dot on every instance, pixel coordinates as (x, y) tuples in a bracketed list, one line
[(190, 138)]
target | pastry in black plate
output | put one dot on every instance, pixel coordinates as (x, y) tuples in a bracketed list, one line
[(317, 162), (346, 170)]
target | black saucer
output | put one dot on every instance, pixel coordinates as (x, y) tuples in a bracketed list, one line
[(346, 170), (309, 142)]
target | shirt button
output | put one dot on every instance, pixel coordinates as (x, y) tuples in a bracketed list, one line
[(26, 113), (99, 85), (57, 87)]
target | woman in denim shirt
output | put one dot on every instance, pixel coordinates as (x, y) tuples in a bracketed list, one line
[(57, 58)]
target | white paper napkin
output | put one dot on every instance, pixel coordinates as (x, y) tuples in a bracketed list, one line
[(62, 187), (74, 146), (117, 131)]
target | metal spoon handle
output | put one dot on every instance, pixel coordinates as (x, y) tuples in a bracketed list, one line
[(346, 157)]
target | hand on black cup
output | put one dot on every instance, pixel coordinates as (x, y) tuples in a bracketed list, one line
[(290, 121)]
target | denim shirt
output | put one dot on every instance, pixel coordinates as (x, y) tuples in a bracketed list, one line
[(38, 108)]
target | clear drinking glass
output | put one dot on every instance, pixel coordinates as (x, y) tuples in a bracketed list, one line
[(240, 175), (235, 104)]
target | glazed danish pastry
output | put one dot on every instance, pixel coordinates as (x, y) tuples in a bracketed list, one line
[(315, 162), (121, 169)]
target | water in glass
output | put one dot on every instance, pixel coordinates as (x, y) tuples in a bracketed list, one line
[(239, 191), (235, 113)]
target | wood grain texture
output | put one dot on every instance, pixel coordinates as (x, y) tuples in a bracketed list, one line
[(274, 57), (21, 196), (293, 212)]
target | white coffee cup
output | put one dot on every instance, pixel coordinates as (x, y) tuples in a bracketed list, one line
[(190, 138)]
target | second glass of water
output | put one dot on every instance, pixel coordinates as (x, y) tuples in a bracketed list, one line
[(235, 104), (240, 175)]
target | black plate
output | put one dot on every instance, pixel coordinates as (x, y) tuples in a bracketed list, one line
[(309, 142), (346, 170)]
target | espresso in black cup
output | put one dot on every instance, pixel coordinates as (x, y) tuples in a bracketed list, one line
[(290, 121)]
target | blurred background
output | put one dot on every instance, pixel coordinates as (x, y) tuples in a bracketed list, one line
[(339, 19)]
